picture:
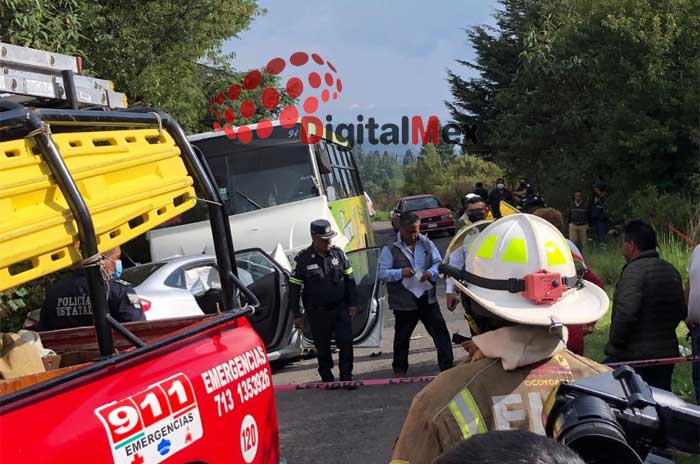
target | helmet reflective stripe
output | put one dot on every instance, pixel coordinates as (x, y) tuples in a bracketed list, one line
[(555, 256), (487, 248), (519, 247), (516, 251)]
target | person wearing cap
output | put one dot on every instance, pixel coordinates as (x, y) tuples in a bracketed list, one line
[(521, 280), (323, 277), (409, 268)]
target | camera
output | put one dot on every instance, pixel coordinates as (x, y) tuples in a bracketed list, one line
[(616, 417)]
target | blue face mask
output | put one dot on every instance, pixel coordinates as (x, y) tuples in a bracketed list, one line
[(117, 269)]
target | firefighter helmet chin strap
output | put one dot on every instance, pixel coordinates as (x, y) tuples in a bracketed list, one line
[(539, 287)]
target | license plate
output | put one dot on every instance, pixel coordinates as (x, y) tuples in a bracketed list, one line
[(432, 226)]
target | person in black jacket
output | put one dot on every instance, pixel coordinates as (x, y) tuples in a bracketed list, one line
[(481, 191), (578, 220), (67, 301), (648, 305), (323, 278), (498, 194)]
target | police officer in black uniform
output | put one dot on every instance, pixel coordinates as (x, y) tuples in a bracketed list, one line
[(323, 276), (67, 302)]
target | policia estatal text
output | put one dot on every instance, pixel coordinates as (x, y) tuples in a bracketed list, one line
[(67, 302)]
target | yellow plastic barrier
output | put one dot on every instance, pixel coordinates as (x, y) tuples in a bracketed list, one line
[(131, 180), (507, 209)]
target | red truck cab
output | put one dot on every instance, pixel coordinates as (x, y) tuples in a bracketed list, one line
[(187, 390)]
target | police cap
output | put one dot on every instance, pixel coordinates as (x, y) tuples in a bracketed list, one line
[(322, 228)]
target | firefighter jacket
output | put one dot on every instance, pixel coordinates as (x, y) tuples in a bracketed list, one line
[(506, 390)]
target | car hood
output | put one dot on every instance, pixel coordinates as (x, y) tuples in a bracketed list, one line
[(424, 213)]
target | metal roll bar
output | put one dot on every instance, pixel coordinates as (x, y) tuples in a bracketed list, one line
[(35, 123)]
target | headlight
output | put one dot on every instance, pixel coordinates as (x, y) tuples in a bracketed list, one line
[(446, 217)]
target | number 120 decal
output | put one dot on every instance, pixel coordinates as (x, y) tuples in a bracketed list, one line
[(154, 424)]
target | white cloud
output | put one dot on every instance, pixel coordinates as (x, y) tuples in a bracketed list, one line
[(401, 70)]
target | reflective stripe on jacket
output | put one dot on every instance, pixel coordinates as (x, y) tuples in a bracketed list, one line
[(477, 397)]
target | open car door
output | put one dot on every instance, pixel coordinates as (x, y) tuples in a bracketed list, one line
[(269, 282), (368, 323)]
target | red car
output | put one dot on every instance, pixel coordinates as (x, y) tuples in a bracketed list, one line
[(433, 215)]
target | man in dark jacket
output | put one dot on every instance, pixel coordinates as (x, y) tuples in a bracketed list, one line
[(578, 220), (648, 305), (497, 194), (481, 191)]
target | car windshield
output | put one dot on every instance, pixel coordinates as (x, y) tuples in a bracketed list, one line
[(138, 274), (417, 204)]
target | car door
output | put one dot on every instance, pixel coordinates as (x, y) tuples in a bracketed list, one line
[(368, 323), (269, 282)]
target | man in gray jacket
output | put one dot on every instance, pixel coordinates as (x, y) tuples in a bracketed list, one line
[(409, 268), (648, 305)]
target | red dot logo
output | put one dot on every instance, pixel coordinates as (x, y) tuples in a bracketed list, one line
[(323, 84)]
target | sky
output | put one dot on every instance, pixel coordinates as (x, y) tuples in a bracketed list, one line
[(392, 56)]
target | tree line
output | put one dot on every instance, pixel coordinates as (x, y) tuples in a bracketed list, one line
[(568, 93), (433, 169)]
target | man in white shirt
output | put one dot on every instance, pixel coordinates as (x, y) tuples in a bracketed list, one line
[(476, 210), (692, 292)]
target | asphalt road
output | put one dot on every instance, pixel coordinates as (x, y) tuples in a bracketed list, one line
[(360, 426)]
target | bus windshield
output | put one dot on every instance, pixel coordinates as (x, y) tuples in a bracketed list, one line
[(259, 176)]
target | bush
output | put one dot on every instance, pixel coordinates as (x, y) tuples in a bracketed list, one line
[(448, 180), (662, 209), (17, 302)]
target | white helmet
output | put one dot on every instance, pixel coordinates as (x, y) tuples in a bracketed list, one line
[(520, 268)]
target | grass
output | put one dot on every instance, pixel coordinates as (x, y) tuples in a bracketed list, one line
[(607, 265), (380, 215)]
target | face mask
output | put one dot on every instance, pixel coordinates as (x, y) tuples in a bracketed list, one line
[(117, 269), (500, 186), (477, 216)]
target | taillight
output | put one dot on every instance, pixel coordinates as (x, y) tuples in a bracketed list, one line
[(145, 304)]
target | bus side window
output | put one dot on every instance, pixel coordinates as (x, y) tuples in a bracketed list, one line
[(340, 188)]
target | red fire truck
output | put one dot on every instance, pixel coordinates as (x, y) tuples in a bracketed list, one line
[(79, 175)]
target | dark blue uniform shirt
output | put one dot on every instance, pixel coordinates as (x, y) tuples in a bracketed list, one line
[(324, 281), (67, 303)]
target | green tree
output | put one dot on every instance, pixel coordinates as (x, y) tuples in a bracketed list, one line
[(449, 181), (573, 91), (152, 50)]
